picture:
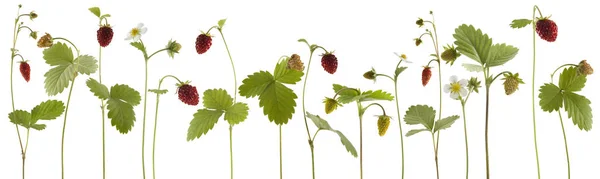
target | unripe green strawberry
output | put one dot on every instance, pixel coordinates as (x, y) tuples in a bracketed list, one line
[(370, 75), (383, 123), (330, 105), (450, 54), (511, 83)]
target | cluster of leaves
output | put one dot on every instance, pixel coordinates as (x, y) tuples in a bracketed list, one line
[(216, 102), (66, 67), (276, 99), (322, 124), (478, 46), (348, 96), (553, 97), (48, 110), (120, 102), (425, 115)]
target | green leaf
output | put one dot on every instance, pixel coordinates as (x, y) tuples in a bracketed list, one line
[(139, 46), (95, 11), (125, 94), (48, 110), (255, 84), (58, 78), (221, 23), (399, 70), (121, 114), (579, 110), (349, 147), (472, 43), (472, 67), (236, 113), (319, 122), (375, 95), (20, 117), (571, 81), (217, 99), (278, 102), (38, 127), (86, 64), (159, 91), (420, 114), (415, 131), (98, 89), (58, 54), (283, 74), (347, 95), (551, 98), (204, 120), (445, 123), (500, 54), (520, 23)]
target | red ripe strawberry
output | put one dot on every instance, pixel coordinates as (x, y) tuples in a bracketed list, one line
[(329, 63), (25, 70), (426, 75), (104, 35), (546, 29), (188, 94), (203, 43)]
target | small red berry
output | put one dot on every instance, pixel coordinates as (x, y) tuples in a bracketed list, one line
[(546, 29), (329, 63), (104, 35), (426, 75), (25, 70), (188, 94), (203, 43)]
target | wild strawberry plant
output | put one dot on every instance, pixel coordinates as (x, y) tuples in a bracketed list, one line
[(554, 97), (278, 101), (345, 95)]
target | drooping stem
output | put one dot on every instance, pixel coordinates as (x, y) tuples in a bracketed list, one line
[(487, 112), (12, 96), (399, 126), (232, 66), (231, 149), (310, 141), (280, 155), (537, 158), (566, 146), (466, 138), (62, 146), (103, 119), (144, 116), (435, 154)]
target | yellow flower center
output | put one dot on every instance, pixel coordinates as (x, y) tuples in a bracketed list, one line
[(455, 87), (134, 32)]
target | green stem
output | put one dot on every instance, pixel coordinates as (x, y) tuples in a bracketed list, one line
[(231, 149), (62, 146), (537, 158), (466, 138), (487, 112), (157, 52), (566, 147), (12, 96), (67, 40), (435, 153), (144, 116), (360, 115), (234, 97), (310, 142), (399, 126), (565, 65), (280, 155), (103, 119), (440, 91), (25, 153), (312, 156)]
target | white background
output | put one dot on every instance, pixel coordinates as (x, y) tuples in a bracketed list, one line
[(363, 34)]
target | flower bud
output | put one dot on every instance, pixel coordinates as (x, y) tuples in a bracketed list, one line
[(585, 68), (370, 75)]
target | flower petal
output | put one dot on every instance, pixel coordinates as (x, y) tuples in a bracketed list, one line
[(140, 25), (128, 37), (137, 37), (454, 95), (463, 83), (447, 88), (453, 78), (463, 92), (143, 30)]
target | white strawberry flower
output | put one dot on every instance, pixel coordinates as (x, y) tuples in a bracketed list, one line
[(456, 88), (136, 33)]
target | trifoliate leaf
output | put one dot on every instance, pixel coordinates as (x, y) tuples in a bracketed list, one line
[(278, 102), (347, 95), (20, 117), (415, 131), (472, 67), (579, 110), (571, 81), (95, 11), (221, 23), (38, 127), (520, 23), (98, 89), (58, 54), (399, 70), (86, 64), (139, 46), (472, 43), (420, 114), (58, 78), (217, 99), (500, 54), (159, 91), (126, 94), (204, 120), (349, 147), (375, 95), (444, 123), (551, 98), (319, 122), (255, 84), (236, 113), (283, 74), (48, 110)]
